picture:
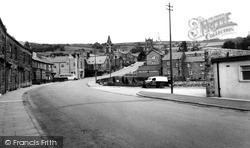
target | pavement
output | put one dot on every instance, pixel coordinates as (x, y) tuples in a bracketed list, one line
[(191, 95), (15, 118)]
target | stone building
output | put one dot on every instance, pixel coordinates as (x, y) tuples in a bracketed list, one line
[(211, 53), (153, 65), (177, 64), (232, 76), (42, 69), (194, 66), (68, 64), (15, 63)]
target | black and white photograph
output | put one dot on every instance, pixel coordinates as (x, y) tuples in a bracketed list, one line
[(124, 74)]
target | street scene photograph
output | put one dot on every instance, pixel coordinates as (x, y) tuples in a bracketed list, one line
[(124, 74)]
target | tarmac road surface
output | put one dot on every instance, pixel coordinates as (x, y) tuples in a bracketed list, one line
[(87, 117)]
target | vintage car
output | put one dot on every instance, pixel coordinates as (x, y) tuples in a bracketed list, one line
[(156, 81)]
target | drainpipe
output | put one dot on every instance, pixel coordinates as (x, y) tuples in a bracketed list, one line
[(218, 80)]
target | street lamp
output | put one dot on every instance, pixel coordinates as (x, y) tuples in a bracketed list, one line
[(109, 60), (95, 68), (170, 8)]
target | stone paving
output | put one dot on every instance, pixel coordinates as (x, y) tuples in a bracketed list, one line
[(15, 119), (190, 95)]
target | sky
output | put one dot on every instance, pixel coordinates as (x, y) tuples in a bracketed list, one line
[(90, 21)]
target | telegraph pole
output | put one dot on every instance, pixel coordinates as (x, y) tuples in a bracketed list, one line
[(170, 8), (95, 68)]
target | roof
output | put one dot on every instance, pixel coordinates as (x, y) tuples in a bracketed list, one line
[(97, 60), (40, 58), (194, 59), (149, 67), (231, 59), (135, 54), (193, 52), (124, 50), (155, 50), (175, 56), (62, 59)]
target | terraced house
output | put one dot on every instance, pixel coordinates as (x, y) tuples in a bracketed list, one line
[(15, 63)]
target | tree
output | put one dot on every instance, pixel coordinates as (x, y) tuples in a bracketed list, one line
[(98, 46), (27, 45), (138, 48), (229, 44), (142, 56), (246, 43), (183, 47)]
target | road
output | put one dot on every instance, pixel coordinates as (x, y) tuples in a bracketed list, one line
[(87, 117)]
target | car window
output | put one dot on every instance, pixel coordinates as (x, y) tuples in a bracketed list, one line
[(154, 79)]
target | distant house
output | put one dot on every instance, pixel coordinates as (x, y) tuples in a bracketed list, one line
[(71, 64), (153, 65), (194, 68), (154, 58), (177, 64), (42, 69), (100, 63), (232, 76)]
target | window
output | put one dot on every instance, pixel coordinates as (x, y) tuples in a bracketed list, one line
[(62, 65), (176, 65), (54, 66), (245, 72), (168, 63), (190, 73), (201, 64), (10, 50)]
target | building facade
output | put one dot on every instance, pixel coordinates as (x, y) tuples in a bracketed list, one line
[(232, 77), (42, 70), (15, 63), (177, 64), (68, 64), (194, 65), (210, 72), (153, 65)]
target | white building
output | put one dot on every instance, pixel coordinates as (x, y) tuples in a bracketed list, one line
[(232, 77)]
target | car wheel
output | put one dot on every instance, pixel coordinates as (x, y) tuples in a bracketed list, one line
[(162, 85)]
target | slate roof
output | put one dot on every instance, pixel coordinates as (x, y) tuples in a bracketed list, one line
[(98, 60), (155, 50), (194, 59), (175, 56), (149, 67), (62, 59)]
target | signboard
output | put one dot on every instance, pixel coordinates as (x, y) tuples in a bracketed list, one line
[(210, 28)]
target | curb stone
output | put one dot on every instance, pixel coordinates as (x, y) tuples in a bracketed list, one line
[(195, 103)]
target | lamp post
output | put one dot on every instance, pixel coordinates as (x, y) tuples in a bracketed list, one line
[(109, 60), (95, 68), (170, 8)]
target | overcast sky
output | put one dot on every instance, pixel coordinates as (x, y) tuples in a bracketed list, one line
[(89, 21)]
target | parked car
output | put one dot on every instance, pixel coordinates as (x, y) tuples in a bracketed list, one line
[(156, 81), (68, 76)]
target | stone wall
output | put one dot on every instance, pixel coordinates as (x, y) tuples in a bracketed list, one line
[(15, 63), (217, 53)]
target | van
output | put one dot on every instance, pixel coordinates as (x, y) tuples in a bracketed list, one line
[(156, 81), (68, 76)]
